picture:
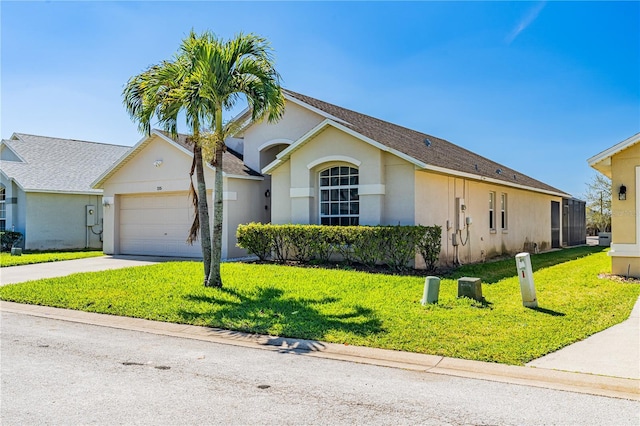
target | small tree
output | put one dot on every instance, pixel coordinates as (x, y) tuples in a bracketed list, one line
[(207, 76), (598, 199)]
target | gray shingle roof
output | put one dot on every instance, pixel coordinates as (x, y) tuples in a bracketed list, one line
[(437, 152), (232, 162), (58, 165)]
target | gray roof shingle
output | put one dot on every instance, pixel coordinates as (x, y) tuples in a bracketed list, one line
[(437, 152), (58, 165), (232, 161)]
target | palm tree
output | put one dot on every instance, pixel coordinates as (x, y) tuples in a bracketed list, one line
[(208, 75)]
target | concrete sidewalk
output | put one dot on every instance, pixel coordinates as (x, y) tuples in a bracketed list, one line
[(607, 363), (612, 352)]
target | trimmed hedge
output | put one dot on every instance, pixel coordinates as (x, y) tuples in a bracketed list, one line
[(395, 246)]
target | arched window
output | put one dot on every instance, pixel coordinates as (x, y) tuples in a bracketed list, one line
[(339, 200), (3, 209)]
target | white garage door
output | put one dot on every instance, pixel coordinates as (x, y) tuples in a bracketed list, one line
[(157, 225)]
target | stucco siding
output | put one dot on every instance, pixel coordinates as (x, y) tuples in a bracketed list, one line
[(243, 199), (528, 217), (280, 195), (399, 198), (139, 174), (58, 221), (624, 213), (246, 203), (297, 190), (295, 122)]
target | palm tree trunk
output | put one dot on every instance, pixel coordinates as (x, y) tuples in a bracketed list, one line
[(215, 278), (203, 212), (216, 249)]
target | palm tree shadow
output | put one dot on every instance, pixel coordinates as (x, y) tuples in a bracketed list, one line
[(269, 311)]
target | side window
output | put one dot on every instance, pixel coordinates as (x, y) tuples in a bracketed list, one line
[(339, 200), (492, 216), (503, 211)]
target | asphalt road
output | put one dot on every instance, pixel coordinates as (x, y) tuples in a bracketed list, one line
[(57, 372)]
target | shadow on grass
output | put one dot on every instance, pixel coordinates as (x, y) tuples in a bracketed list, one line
[(548, 312), (268, 311), (492, 272)]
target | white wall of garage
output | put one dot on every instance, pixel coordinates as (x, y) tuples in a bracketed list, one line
[(150, 213)]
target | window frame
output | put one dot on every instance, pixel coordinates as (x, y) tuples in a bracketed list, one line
[(339, 191), (492, 210), (504, 222)]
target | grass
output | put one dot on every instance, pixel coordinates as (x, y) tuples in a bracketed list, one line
[(358, 308), (41, 257)]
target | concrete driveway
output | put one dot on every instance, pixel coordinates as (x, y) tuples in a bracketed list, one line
[(22, 273)]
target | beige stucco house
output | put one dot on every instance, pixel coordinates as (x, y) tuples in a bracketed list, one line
[(323, 164), (46, 193), (621, 163), (147, 210)]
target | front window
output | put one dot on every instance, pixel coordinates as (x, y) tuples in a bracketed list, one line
[(339, 200), (3, 209)]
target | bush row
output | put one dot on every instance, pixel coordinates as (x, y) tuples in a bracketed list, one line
[(395, 246)]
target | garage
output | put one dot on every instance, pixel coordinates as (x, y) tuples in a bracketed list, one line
[(156, 225)]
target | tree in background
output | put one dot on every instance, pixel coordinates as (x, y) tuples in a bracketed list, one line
[(207, 75), (598, 199)]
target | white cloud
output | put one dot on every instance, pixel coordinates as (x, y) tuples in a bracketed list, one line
[(526, 21)]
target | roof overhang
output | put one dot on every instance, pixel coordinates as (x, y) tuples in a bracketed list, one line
[(303, 140), (99, 182), (602, 161), (419, 165)]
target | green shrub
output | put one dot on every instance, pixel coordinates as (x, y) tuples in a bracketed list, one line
[(395, 246), (323, 242), (281, 243), (369, 245), (400, 245), (299, 238), (256, 239), (429, 246), (8, 239)]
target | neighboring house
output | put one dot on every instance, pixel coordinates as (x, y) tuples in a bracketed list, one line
[(621, 163), (46, 193), (323, 164)]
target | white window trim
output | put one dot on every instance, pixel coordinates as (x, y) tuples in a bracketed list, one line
[(330, 187), (492, 211), (504, 209)]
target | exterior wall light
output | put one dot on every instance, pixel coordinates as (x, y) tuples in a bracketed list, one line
[(157, 163), (622, 193)]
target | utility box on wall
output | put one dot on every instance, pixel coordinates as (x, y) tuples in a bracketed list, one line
[(91, 215)]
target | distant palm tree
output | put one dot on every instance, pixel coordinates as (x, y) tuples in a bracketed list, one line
[(207, 75)]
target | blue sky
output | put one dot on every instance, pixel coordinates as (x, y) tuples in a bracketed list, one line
[(537, 86)]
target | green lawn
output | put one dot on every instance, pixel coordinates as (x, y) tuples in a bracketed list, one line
[(359, 308), (7, 260)]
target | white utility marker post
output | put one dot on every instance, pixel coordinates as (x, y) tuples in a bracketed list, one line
[(525, 275)]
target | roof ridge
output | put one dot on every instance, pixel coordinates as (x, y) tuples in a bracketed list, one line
[(64, 139), (399, 138), (295, 94)]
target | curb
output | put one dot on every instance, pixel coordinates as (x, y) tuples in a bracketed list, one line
[(613, 387)]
